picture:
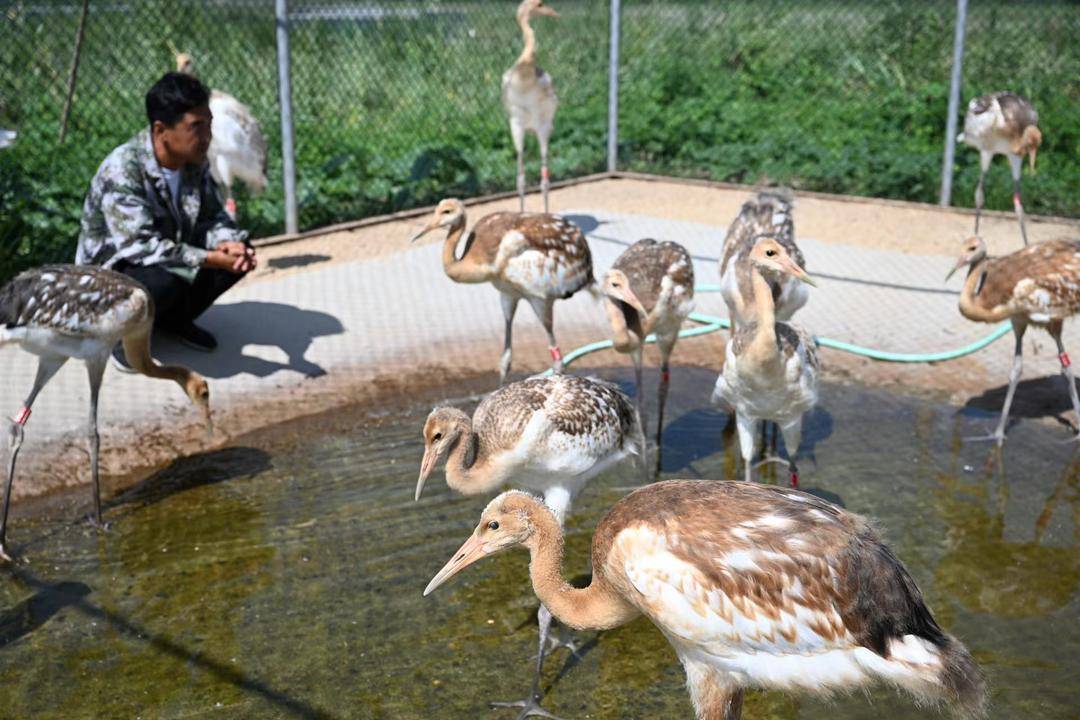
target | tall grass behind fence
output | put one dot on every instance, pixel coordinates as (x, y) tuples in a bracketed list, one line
[(396, 103), (842, 95)]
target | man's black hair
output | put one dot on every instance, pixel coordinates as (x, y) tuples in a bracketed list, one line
[(172, 96)]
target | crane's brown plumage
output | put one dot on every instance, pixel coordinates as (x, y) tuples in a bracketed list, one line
[(59, 312), (1038, 285), (1002, 123), (537, 257), (752, 585), (649, 290), (767, 215)]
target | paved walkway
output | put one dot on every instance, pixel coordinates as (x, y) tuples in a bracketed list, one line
[(357, 319)]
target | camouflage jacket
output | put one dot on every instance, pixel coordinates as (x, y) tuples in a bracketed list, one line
[(129, 214)]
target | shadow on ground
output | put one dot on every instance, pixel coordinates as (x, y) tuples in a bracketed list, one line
[(1036, 398), (240, 325)]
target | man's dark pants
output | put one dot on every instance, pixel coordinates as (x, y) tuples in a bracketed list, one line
[(177, 302)]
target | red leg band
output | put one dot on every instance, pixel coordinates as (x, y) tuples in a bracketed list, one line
[(230, 206), (1064, 358), (556, 354), (22, 417), (544, 173), (666, 375), (794, 479), (1016, 199)]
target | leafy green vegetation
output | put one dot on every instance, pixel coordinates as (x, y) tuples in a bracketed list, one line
[(397, 105)]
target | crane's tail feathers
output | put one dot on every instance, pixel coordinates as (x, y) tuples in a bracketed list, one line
[(965, 687)]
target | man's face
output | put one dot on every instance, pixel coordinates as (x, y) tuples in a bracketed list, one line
[(189, 139)]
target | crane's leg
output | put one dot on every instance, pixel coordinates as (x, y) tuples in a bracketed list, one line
[(713, 697), (545, 310), (792, 437), (545, 176), (47, 367), (530, 707), (509, 307), (747, 441), (1016, 163), (95, 370), (984, 164), (639, 406), (998, 435), (1066, 370), (517, 132), (661, 400)]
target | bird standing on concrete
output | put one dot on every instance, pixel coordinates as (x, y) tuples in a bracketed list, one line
[(649, 290), (771, 368), (238, 148), (550, 434), (537, 257), (769, 214), (60, 312), (1002, 123), (753, 586), (1038, 285), (529, 98)]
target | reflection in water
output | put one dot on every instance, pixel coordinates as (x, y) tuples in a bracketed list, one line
[(281, 577)]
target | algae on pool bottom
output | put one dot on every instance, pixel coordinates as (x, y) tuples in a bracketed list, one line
[(281, 576)]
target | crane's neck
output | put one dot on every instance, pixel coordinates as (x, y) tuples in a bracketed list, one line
[(137, 352), (626, 333), (467, 469), (970, 306), (763, 347), (528, 53), (596, 607), (465, 269)]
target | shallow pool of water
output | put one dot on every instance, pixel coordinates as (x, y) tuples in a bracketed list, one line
[(281, 576)]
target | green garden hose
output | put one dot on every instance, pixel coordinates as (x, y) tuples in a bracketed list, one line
[(710, 323)]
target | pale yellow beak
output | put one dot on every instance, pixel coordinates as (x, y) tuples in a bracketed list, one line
[(426, 229), (467, 554), (959, 264), (791, 268), (209, 422), (545, 10), (427, 465)]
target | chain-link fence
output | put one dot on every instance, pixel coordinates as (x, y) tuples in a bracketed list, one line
[(396, 104)]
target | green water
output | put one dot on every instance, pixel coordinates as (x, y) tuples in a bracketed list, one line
[(281, 576)]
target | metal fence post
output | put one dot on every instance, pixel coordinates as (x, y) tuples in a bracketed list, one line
[(613, 89), (954, 103), (288, 151)]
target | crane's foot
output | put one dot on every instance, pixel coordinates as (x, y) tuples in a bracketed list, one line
[(97, 524), (555, 643), (529, 708), (4, 557)]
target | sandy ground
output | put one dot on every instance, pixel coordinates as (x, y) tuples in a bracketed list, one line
[(359, 315)]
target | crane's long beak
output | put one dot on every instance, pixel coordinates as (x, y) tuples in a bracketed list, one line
[(427, 465), (426, 229), (794, 270), (959, 264), (546, 10), (467, 554), (209, 422)]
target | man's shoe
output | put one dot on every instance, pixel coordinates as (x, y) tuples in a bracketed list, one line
[(119, 361), (194, 337)]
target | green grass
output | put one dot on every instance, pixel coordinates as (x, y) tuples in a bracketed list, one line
[(836, 96)]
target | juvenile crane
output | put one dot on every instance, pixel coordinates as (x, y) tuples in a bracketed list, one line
[(771, 368), (551, 434), (238, 147), (1038, 285), (769, 214), (529, 98), (1002, 123), (649, 290), (536, 257), (60, 312), (753, 586)]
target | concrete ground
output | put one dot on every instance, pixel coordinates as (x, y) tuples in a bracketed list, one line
[(355, 315)]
